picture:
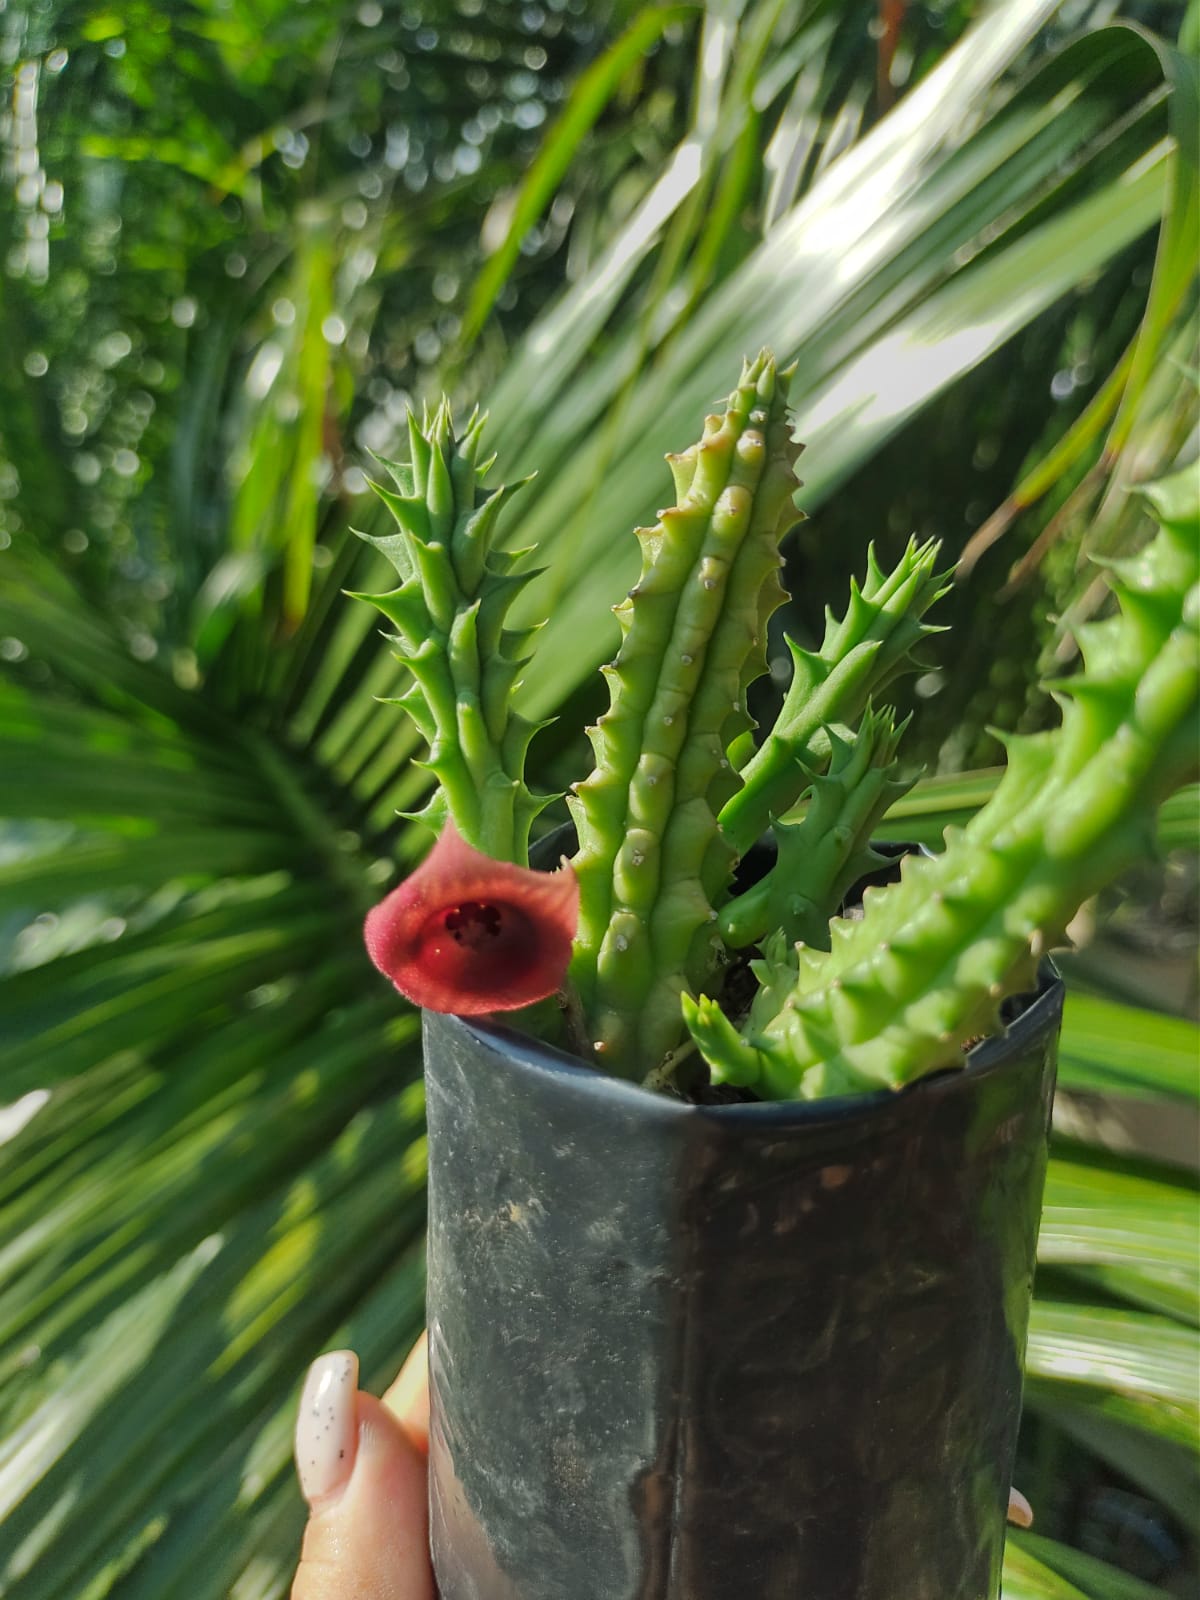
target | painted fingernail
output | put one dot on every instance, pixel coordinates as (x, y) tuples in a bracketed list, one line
[(327, 1425), (1020, 1512)]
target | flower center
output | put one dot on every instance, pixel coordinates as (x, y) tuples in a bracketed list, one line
[(483, 949), (474, 924)]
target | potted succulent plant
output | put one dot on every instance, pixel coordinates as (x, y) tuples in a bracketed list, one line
[(732, 1231)]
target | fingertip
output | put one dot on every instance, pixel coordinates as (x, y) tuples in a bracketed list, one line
[(386, 1451), (408, 1397), (1020, 1512), (373, 1538)]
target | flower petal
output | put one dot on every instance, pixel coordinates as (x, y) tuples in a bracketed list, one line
[(469, 935)]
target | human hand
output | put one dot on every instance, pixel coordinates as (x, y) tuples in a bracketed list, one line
[(362, 1467)]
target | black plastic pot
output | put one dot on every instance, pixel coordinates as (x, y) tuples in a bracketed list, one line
[(702, 1353)]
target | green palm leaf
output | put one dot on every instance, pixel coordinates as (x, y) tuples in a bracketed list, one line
[(1040, 1569)]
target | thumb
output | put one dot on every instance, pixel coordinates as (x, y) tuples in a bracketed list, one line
[(365, 1483)]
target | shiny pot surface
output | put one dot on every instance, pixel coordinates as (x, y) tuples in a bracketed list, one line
[(686, 1352)]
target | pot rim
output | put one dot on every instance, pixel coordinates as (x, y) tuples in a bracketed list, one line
[(1040, 1018)]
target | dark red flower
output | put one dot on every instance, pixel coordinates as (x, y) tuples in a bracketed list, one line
[(469, 935)]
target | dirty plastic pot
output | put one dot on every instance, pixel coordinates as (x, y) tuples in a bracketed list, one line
[(684, 1352)]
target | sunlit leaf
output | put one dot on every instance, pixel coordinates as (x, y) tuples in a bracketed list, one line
[(1035, 1566), (1151, 1364)]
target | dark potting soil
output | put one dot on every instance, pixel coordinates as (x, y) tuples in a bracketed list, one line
[(721, 1094)]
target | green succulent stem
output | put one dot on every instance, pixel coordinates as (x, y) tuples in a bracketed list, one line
[(448, 612), (652, 859), (859, 655), (925, 969), (819, 856)]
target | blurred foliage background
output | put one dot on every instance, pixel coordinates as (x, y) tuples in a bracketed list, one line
[(239, 238)]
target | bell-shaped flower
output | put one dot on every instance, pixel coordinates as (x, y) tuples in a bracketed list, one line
[(469, 935)]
